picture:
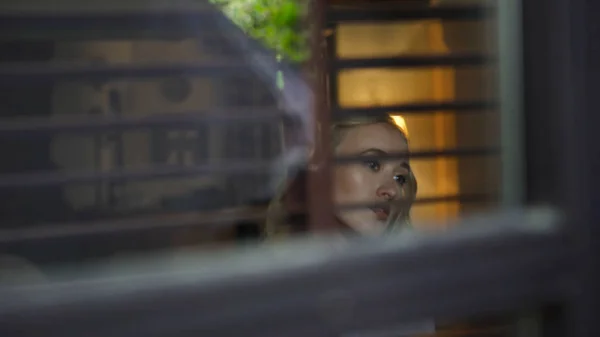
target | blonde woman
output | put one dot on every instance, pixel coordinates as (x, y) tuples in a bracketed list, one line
[(389, 186)]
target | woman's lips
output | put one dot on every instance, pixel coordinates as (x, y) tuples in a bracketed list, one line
[(382, 213)]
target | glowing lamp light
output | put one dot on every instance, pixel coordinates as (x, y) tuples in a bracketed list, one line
[(401, 123)]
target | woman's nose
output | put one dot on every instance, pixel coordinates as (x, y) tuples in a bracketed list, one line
[(388, 191)]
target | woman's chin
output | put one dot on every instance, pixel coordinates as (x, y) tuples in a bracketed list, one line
[(369, 228), (363, 222)]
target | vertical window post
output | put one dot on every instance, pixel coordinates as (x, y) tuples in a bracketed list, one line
[(511, 91), (320, 202)]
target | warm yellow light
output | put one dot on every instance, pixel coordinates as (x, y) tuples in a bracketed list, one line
[(401, 123)]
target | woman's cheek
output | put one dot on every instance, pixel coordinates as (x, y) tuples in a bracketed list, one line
[(345, 184), (352, 184), (362, 184)]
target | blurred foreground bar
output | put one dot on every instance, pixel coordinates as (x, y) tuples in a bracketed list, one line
[(306, 287)]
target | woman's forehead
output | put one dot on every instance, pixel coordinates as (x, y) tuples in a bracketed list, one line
[(380, 136)]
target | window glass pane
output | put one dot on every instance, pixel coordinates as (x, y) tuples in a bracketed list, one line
[(413, 38), (474, 175), (380, 87), (434, 216), (440, 130), (161, 186)]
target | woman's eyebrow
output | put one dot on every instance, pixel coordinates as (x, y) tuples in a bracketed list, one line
[(379, 152), (375, 151)]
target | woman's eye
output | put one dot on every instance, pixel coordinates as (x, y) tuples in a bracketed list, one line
[(400, 179), (373, 165)]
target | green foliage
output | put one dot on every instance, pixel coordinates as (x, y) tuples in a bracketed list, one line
[(275, 23)]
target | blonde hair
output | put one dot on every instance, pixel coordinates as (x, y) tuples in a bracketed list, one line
[(276, 218)]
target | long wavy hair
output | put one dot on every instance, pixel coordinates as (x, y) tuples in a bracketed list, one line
[(286, 211)]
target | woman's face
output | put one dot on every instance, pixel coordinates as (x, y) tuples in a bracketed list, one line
[(371, 181)]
